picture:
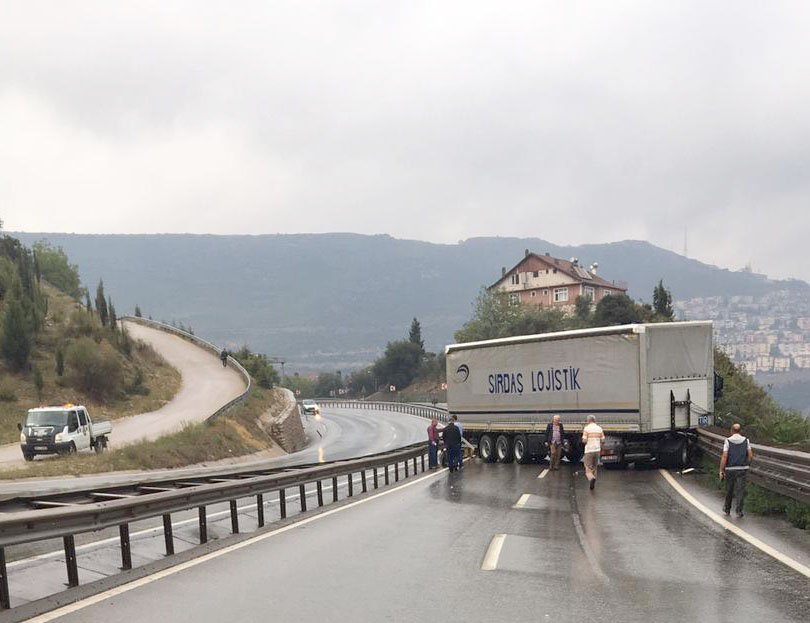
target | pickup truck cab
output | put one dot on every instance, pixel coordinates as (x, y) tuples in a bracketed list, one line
[(61, 430)]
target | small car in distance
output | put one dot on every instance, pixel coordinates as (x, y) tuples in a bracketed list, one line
[(310, 407)]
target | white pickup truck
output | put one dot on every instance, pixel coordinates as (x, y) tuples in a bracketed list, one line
[(62, 430)]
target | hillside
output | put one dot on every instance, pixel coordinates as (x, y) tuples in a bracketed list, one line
[(333, 300), (138, 382)]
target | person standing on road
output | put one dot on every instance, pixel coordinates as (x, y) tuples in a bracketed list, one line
[(460, 428), (554, 437), (452, 440), (592, 437), (223, 357), (433, 444), (734, 463)]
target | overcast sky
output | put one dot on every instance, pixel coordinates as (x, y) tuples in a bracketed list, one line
[(436, 120)]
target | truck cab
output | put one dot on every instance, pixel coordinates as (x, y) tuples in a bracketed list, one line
[(61, 430)]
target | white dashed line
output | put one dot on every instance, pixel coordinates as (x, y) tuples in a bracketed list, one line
[(793, 564), (543, 473), (493, 553), (522, 501)]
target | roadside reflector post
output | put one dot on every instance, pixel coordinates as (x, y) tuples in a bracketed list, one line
[(70, 561), (126, 552), (168, 534), (203, 525), (234, 517)]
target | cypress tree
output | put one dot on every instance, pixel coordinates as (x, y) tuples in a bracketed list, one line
[(87, 303), (17, 340), (101, 303), (138, 312)]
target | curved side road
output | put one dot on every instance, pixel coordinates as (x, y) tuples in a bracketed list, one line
[(205, 387)]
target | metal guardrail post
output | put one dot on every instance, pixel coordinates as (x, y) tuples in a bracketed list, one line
[(5, 596), (363, 481), (126, 551), (351, 484), (334, 489), (396, 471), (260, 509), (423, 462), (376, 479), (386, 475), (70, 561), (203, 525), (282, 503), (234, 517), (406, 470), (302, 497), (168, 534), (319, 489)]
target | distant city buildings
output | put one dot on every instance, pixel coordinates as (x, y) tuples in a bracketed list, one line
[(553, 282), (770, 333)]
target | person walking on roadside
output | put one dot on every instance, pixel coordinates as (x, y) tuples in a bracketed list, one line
[(433, 444), (452, 440), (734, 463), (223, 357), (554, 438), (592, 437)]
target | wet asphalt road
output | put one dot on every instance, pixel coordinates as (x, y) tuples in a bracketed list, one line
[(630, 551)]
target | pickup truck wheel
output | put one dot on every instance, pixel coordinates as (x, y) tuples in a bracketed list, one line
[(521, 449), (486, 448), (99, 446), (503, 449), (28, 457)]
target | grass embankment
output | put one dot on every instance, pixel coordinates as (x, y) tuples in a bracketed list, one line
[(146, 382), (236, 434)]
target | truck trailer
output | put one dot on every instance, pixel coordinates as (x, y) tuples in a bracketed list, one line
[(649, 386)]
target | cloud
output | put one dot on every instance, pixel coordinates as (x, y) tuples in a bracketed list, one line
[(576, 122)]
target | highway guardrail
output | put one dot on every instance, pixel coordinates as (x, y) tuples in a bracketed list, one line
[(215, 350), (66, 520), (398, 407), (776, 469)]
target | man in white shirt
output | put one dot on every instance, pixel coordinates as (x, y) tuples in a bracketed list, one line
[(592, 437)]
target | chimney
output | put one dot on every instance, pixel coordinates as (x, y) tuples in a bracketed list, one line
[(526, 253), (503, 271), (548, 254)]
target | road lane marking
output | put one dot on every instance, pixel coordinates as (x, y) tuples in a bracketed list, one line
[(522, 501), (731, 527), (493, 553), (543, 473), (125, 588)]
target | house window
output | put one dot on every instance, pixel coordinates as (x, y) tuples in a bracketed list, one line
[(605, 291), (560, 295), (545, 291), (534, 293), (514, 299), (590, 293), (536, 274), (515, 279), (555, 271)]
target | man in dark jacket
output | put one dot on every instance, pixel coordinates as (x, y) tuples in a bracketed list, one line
[(452, 439), (737, 455), (554, 438)]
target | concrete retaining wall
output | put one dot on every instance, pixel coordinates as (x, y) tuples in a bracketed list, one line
[(286, 428)]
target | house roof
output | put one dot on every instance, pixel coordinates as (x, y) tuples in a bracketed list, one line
[(566, 267)]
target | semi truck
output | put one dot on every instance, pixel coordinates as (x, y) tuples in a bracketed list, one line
[(649, 386), (62, 430)]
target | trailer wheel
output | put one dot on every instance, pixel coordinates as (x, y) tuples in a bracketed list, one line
[(574, 455), (486, 448), (503, 449), (673, 453), (521, 449)]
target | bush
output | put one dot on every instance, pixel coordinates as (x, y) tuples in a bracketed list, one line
[(258, 367), (7, 394), (57, 269), (95, 368)]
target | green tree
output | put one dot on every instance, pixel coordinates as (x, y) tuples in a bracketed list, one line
[(95, 368), (582, 309), (17, 340), (301, 386), (400, 364), (327, 383), (88, 305), (39, 382), (101, 303), (60, 362), (138, 313), (617, 309), (111, 315), (57, 269), (662, 302), (415, 334)]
